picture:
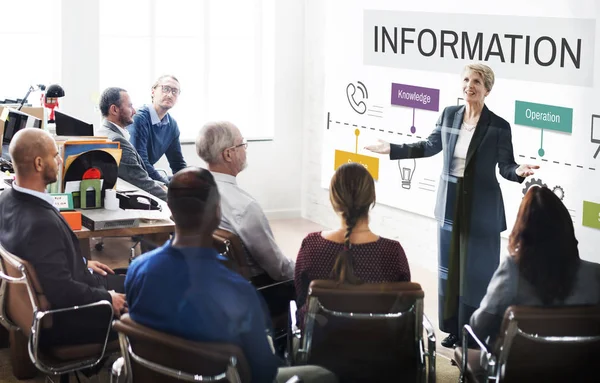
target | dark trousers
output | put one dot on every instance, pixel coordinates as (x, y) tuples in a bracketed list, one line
[(83, 326), (467, 260), (277, 296)]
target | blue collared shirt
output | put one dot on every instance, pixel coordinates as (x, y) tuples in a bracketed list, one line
[(153, 138), (43, 196), (189, 293)]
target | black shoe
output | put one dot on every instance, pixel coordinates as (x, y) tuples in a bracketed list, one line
[(450, 341)]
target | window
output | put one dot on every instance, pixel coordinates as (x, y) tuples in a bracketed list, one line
[(30, 40), (220, 50)]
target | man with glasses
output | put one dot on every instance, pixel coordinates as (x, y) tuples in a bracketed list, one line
[(154, 131), (221, 146)]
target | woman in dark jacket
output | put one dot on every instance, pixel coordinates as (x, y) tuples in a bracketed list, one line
[(469, 207), (543, 268)]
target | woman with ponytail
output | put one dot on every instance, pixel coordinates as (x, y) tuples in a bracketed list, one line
[(352, 253)]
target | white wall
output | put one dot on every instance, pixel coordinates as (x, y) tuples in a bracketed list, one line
[(416, 233)]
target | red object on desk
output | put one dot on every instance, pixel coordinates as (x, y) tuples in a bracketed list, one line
[(73, 218)]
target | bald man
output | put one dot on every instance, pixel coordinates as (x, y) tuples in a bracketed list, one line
[(33, 229), (183, 288)]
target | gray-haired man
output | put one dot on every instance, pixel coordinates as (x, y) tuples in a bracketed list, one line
[(222, 147)]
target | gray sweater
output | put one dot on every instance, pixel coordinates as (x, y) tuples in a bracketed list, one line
[(131, 168), (508, 288)]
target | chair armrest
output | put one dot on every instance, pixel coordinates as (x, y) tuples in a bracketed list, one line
[(4, 320), (489, 358), (162, 172), (117, 370), (293, 320), (272, 285), (431, 353), (292, 332), (35, 338), (10, 279)]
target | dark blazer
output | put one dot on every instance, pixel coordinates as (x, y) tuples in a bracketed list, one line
[(35, 231), (491, 145), (131, 167)]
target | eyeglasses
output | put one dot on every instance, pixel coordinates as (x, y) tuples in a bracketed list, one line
[(168, 89), (244, 144)]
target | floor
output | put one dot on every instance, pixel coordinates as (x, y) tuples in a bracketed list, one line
[(289, 234)]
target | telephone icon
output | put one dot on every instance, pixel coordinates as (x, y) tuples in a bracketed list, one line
[(357, 100)]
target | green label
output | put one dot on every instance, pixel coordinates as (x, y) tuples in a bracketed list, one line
[(591, 214), (544, 116)]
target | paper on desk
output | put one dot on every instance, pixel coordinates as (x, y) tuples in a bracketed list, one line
[(151, 215), (73, 186)]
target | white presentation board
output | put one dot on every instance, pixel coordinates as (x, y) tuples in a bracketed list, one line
[(547, 87)]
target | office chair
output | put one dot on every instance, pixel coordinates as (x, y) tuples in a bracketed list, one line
[(535, 344), (365, 333), (27, 312)]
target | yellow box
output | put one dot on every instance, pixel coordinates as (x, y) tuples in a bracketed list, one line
[(370, 163)]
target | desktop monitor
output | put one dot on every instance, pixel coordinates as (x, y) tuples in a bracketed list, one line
[(16, 121), (70, 126)]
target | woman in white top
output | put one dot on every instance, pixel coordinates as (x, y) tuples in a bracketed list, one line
[(469, 206)]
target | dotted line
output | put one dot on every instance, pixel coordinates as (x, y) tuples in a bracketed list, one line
[(419, 137), (371, 128), (557, 163)]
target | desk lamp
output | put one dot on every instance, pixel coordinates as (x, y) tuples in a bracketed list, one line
[(32, 88), (51, 97)]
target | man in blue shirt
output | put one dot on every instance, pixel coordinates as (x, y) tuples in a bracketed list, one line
[(154, 131), (183, 288)]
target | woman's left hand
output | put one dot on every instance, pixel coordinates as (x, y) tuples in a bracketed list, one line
[(525, 170)]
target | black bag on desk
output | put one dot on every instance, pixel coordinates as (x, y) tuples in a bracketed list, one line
[(137, 201)]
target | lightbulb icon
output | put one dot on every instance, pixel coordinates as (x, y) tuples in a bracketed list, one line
[(407, 170)]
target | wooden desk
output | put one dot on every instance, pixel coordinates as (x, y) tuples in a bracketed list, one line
[(160, 228), (157, 229), (144, 228)]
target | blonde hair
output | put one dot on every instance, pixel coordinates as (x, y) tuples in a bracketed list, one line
[(485, 72)]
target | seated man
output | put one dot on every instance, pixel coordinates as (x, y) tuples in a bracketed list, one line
[(183, 288), (221, 146), (33, 229), (154, 131), (117, 110)]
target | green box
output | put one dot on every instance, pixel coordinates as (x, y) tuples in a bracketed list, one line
[(544, 116), (64, 201), (591, 214)]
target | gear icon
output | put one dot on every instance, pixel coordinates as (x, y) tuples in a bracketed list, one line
[(559, 191), (533, 182)]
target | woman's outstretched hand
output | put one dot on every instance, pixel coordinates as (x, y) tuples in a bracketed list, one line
[(525, 170), (381, 147)]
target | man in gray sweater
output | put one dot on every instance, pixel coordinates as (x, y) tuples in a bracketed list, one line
[(118, 111)]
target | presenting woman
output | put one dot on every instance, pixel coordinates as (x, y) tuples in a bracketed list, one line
[(469, 207)]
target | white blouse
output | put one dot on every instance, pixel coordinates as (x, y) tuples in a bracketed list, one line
[(465, 135)]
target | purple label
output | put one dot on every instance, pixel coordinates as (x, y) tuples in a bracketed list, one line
[(416, 97)]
